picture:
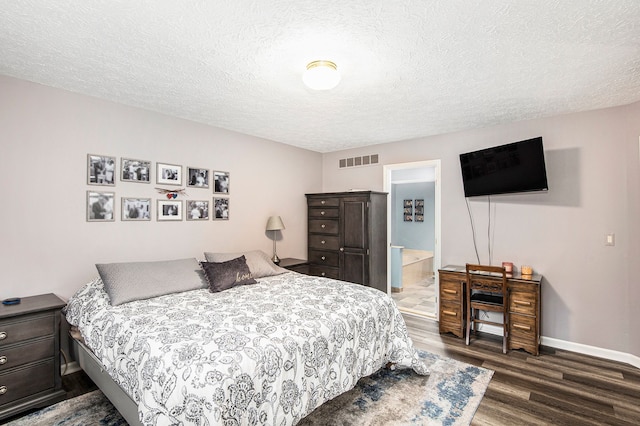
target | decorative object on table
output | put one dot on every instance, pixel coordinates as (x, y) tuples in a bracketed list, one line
[(526, 270), (101, 170), (168, 174), (197, 210), (221, 182), (169, 210), (132, 170), (100, 206), (197, 177), (11, 301), (171, 193), (274, 224), (407, 211), (221, 207), (450, 395), (136, 208), (508, 267)]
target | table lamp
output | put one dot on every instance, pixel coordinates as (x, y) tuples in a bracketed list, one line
[(275, 224)]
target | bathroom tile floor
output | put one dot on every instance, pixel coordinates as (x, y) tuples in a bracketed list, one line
[(417, 298)]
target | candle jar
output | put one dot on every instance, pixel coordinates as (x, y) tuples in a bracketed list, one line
[(526, 270), (508, 267)]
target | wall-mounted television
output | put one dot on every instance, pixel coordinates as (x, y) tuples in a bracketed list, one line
[(504, 169)]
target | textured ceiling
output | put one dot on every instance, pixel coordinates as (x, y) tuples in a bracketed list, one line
[(409, 68)]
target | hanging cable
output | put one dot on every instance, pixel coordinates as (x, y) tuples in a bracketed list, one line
[(473, 229)]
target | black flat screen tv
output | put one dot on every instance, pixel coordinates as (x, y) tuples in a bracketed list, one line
[(504, 169)]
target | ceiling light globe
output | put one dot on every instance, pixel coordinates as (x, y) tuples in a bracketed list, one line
[(321, 75)]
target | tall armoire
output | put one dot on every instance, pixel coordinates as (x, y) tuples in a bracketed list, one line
[(348, 237)]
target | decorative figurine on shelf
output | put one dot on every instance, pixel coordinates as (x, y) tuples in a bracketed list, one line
[(172, 193)]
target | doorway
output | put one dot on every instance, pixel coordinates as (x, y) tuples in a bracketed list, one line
[(414, 234)]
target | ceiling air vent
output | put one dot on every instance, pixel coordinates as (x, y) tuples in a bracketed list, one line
[(365, 160)]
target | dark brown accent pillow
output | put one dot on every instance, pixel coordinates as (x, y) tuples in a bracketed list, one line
[(225, 275)]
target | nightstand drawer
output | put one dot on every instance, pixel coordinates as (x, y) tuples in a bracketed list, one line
[(25, 327), (23, 354), (324, 242), (323, 271), (23, 382), (324, 258)]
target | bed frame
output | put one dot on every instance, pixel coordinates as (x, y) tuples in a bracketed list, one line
[(95, 370)]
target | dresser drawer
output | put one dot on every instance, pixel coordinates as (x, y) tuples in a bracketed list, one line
[(324, 271), (320, 212), (450, 312), (323, 202), (522, 302), (324, 242), (522, 327), (14, 356), (325, 258), (323, 226), (451, 291), (25, 327), (22, 382)]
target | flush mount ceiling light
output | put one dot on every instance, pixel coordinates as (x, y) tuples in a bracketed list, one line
[(321, 75)]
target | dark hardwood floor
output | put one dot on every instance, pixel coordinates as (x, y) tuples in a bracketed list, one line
[(555, 388)]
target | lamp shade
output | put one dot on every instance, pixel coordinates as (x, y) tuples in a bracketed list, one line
[(275, 223)]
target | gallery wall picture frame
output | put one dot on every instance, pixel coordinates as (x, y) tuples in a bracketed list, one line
[(100, 206), (407, 210), (133, 170), (197, 210), (419, 218), (169, 210), (168, 174), (136, 209), (101, 170), (221, 182), (221, 208), (197, 177)]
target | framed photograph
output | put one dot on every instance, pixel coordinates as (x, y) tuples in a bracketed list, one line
[(101, 170), (408, 203), (408, 218), (136, 208), (419, 218), (221, 182), (168, 174), (197, 210), (135, 170), (100, 206), (221, 206), (419, 203), (169, 210), (198, 178)]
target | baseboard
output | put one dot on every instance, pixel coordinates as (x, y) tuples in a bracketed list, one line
[(574, 347), (69, 368)]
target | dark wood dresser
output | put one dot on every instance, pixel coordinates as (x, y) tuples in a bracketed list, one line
[(524, 307), (348, 237), (30, 354)]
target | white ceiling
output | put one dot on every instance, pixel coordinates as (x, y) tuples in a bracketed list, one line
[(409, 68)]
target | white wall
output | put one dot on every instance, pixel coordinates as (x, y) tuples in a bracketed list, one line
[(45, 136), (592, 165)]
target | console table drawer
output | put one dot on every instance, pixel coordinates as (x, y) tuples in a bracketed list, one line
[(522, 302), (325, 258), (24, 354), (324, 242), (23, 382), (26, 327), (323, 226)]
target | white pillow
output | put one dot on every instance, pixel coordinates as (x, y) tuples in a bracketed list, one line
[(126, 282), (258, 262)]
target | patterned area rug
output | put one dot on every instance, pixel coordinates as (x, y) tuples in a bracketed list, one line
[(449, 396)]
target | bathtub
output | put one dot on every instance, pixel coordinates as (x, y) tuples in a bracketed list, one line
[(409, 266)]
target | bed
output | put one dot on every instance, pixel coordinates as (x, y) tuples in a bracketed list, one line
[(269, 352)]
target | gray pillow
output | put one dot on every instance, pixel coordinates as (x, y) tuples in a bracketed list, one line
[(126, 282), (225, 275), (258, 262)]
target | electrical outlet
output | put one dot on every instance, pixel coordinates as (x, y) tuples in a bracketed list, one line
[(610, 240)]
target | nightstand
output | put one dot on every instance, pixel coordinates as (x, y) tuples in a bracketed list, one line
[(30, 354), (296, 265)]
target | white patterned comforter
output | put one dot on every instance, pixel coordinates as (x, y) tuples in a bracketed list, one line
[(268, 353)]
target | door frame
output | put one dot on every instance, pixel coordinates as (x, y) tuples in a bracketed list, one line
[(437, 252)]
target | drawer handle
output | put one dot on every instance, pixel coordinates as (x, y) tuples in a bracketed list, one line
[(323, 258), (341, 248), (522, 302), (323, 226), (322, 242), (522, 327), (322, 213), (322, 202), (3, 360), (450, 313), (3, 335), (449, 291), (3, 390), (323, 274)]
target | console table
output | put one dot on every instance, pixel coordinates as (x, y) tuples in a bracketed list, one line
[(524, 306)]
